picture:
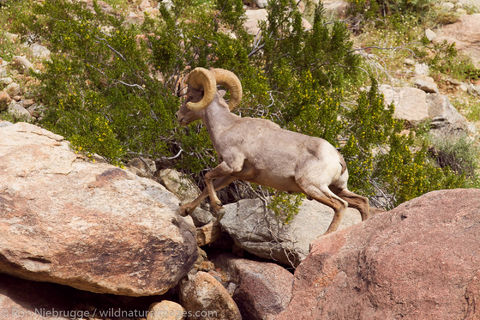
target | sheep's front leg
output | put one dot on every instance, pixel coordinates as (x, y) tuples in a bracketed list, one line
[(219, 171), (220, 183)]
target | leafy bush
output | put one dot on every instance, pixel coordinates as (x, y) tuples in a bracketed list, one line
[(113, 88)]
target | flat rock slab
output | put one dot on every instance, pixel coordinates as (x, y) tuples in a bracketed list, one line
[(265, 235), (88, 225), (420, 260)]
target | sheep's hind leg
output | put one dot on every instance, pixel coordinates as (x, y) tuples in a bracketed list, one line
[(219, 184), (327, 197), (355, 201)]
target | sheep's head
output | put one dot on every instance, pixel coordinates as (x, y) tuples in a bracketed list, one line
[(202, 90)]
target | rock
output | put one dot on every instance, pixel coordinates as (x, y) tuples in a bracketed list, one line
[(420, 260), (166, 310), (13, 89), (179, 184), (36, 110), (464, 33), (3, 72), (145, 4), (253, 18), (12, 37), (27, 103), (414, 105), (201, 217), (204, 296), (447, 6), (475, 4), (4, 100), (264, 235), (39, 51), (5, 81), (261, 3), (426, 84), (410, 103), (88, 225), (409, 62), (208, 233), (430, 35), (444, 115), (18, 112), (22, 64), (421, 69), (262, 290), (5, 123), (336, 7), (142, 167)]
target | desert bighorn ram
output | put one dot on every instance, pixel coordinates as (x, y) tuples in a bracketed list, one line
[(259, 151)]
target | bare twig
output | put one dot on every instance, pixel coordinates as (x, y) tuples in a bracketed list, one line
[(111, 48)]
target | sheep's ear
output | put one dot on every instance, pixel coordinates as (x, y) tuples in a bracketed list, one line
[(221, 93)]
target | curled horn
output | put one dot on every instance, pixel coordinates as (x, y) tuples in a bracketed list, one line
[(201, 78), (231, 82)]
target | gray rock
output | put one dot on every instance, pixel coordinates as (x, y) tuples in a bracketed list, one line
[(421, 69), (410, 103), (39, 51), (201, 217), (13, 89), (261, 3), (430, 35), (179, 184), (426, 84), (91, 226), (447, 6), (18, 112), (5, 81), (444, 115), (142, 167), (12, 37), (22, 64), (5, 123), (264, 235), (36, 110)]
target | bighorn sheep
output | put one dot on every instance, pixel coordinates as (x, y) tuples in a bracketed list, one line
[(259, 151)]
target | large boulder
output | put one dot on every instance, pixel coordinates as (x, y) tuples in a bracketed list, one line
[(267, 236), (420, 260), (88, 225), (464, 33)]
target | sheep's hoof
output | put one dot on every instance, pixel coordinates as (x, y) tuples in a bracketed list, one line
[(184, 211), (220, 213)]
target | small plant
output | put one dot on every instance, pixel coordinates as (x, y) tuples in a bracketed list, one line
[(456, 152)]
